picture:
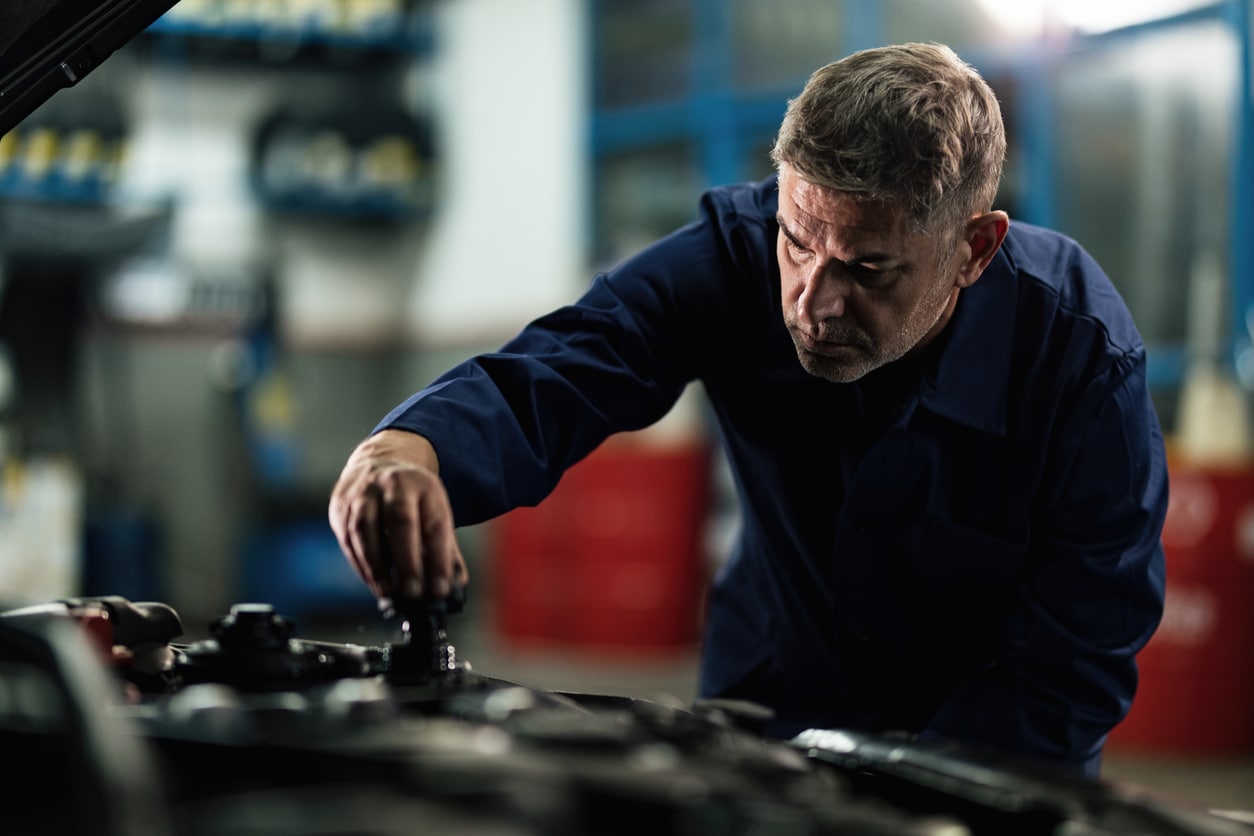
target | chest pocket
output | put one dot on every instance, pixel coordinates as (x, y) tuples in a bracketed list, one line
[(961, 574), (904, 540)]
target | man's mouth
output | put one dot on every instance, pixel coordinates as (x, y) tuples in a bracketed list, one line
[(826, 347)]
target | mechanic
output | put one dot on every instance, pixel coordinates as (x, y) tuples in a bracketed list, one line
[(951, 478)]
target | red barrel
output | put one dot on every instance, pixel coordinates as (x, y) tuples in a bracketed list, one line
[(1196, 693), (613, 559)]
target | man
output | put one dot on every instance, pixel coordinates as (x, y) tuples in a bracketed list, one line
[(951, 478)]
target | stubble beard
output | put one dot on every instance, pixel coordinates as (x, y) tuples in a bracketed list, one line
[(862, 356), (865, 353)]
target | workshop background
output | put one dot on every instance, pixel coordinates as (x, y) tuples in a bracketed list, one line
[(230, 251)]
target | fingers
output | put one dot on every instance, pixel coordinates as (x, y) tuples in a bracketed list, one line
[(419, 535), (461, 575), (401, 535), (354, 519), (441, 557), (392, 519)]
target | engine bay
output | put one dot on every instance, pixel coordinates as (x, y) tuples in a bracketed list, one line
[(112, 724)]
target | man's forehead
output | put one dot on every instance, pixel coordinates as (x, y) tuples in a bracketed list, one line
[(847, 223), (824, 211), (848, 216)]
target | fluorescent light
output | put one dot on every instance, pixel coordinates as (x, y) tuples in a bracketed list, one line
[(1090, 16), (1025, 18)]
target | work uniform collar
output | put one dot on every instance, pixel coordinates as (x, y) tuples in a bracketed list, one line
[(969, 383)]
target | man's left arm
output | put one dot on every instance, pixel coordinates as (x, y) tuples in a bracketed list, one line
[(1092, 593)]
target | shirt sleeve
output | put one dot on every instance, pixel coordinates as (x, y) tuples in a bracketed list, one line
[(506, 425), (1094, 585)]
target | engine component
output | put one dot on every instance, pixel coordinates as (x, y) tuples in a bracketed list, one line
[(262, 732)]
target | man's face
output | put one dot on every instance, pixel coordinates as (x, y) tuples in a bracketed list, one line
[(860, 288)]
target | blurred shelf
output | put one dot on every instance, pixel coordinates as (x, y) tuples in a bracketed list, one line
[(100, 232), (403, 37), (56, 190), (375, 207), (310, 203)]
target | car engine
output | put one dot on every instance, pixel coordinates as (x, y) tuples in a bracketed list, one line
[(111, 725)]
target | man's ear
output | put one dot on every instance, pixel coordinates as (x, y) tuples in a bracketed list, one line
[(983, 237)]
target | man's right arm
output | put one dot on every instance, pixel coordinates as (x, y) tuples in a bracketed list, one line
[(391, 515), (510, 422)]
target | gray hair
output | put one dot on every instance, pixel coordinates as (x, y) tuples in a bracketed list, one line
[(911, 125)]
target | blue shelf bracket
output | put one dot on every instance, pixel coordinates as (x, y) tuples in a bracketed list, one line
[(1241, 236)]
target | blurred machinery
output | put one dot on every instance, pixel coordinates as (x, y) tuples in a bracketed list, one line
[(119, 728)]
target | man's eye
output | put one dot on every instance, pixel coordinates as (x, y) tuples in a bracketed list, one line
[(795, 248), (868, 275)]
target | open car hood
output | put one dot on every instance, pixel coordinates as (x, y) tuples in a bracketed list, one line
[(48, 45)]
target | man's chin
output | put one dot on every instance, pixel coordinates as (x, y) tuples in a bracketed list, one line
[(833, 369)]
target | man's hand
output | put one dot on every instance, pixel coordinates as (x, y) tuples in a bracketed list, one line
[(390, 512)]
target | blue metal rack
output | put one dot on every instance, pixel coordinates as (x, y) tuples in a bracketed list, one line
[(413, 35)]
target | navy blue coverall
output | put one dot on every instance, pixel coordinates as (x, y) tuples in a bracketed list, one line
[(962, 545)]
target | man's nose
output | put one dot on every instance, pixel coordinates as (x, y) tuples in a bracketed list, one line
[(823, 296)]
